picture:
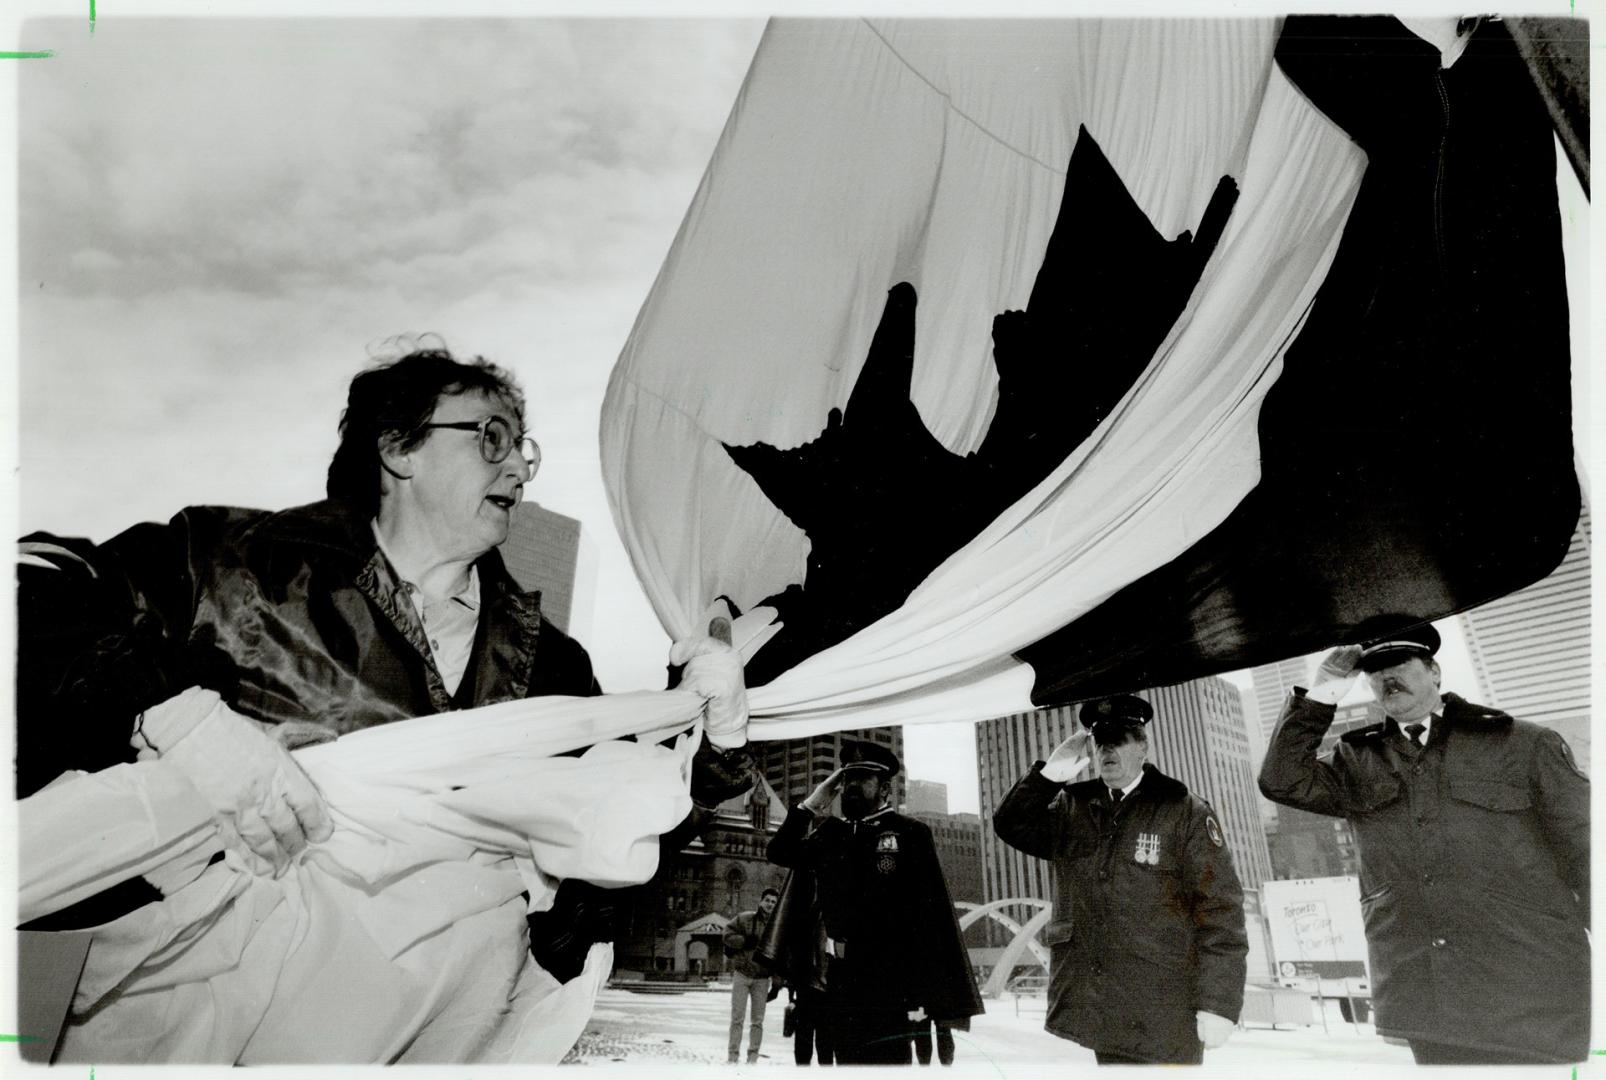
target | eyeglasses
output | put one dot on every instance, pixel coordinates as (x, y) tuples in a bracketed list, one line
[(497, 440)]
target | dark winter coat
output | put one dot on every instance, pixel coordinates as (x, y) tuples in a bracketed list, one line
[(297, 619), (1148, 924), (881, 892), (311, 624), (1474, 857)]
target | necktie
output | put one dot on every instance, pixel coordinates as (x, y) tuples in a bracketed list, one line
[(1115, 797), (1415, 731)]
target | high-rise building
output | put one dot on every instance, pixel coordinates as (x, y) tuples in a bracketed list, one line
[(1530, 650), (926, 797), (1272, 685), (794, 767), (1200, 736), (1005, 749), (547, 551)]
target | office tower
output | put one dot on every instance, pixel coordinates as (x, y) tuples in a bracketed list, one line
[(546, 551), (1272, 685), (926, 797), (1005, 749), (1200, 736), (1530, 650)]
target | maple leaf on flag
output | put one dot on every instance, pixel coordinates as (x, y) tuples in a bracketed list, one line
[(884, 503)]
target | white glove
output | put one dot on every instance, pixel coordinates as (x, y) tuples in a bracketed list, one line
[(1213, 1030), (1069, 758), (714, 671), (258, 791), (1336, 674), (917, 1014), (819, 801)]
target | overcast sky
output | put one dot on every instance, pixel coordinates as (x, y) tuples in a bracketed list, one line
[(217, 215)]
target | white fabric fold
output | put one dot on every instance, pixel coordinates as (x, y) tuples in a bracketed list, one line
[(935, 153), (402, 937)]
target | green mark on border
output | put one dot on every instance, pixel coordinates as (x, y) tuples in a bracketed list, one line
[(42, 54), (19, 1038), (91, 16)]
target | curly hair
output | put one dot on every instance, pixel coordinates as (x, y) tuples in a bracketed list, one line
[(392, 403)]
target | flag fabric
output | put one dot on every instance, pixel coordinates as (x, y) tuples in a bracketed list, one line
[(449, 829), (1015, 362)]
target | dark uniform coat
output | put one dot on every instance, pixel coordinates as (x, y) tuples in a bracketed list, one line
[(883, 900), (1474, 859), (1149, 919)]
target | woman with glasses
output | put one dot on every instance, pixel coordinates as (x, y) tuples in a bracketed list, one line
[(385, 601)]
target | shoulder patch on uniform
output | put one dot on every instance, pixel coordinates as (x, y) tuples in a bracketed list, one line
[(1213, 830), (1567, 756)]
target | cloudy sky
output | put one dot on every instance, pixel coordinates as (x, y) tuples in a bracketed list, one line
[(218, 215)]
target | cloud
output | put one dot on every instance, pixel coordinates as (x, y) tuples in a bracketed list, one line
[(217, 216), (249, 153)]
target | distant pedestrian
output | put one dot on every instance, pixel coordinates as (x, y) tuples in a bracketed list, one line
[(750, 983), (1148, 938), (1473, 831), (896, 957)]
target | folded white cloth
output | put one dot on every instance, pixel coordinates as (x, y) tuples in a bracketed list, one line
[(400, 938)]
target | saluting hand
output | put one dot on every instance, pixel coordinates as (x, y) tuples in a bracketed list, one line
[(819, 800), (1336, 674), (1069, 758)]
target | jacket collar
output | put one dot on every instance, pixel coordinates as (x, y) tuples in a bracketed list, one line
[(1156, 785), (1457, 714)]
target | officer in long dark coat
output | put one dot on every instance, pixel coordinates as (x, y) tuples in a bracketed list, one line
[(1473, 830), (1148, 943), (896, 957)]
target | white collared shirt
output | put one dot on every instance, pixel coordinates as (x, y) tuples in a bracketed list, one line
[(449, 624), (1126, 791)]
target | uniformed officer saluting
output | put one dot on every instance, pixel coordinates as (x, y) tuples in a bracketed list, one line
[(1473, 831), (1148, 941), (896, 957)]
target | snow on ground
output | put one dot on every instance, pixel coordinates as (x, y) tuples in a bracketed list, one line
[(684, 1033)]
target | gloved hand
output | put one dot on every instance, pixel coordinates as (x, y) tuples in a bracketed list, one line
[(259, 792), (1069, 758), (713, 669), (917, 1014), (581, 915), (1336, 674), (819, 801), (1213, 1030)]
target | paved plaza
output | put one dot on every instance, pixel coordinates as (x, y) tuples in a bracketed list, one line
[(689, 1029)]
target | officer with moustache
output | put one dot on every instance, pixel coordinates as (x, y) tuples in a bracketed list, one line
[(895, 954), (1473, 829), (1148, 942)]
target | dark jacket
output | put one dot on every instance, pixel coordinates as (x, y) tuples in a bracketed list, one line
[(313, 624), (1474, 871), (1148, 924), (297, 619), (742, 938), (881, 892)]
